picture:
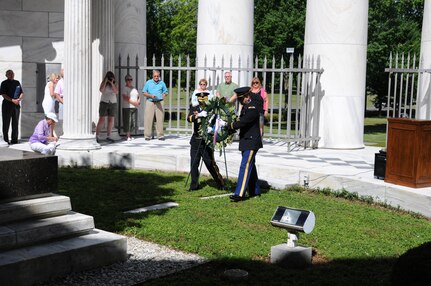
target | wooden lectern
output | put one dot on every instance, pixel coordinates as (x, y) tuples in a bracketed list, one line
[(408, 160)]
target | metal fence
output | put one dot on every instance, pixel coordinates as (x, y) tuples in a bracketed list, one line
[(293, 91), (404, 82)]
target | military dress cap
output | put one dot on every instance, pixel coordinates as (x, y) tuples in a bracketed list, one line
[(242, 91), (203, 94)]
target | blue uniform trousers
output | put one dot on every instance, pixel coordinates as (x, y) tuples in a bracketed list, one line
[(247, 177)]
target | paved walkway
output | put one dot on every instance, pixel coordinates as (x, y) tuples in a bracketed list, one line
[(352, 170)]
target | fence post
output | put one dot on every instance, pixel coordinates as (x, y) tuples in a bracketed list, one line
[(317, 98), (273, 78)]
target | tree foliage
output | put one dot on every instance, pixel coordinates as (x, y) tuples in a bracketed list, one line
[(278, 24), (158, 27), (183, 33), (394, 25), (171, 27)]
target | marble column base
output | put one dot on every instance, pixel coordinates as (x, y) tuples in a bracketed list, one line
[(78, 144)]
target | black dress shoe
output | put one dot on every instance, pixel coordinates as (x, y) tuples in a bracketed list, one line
[(235, 198)]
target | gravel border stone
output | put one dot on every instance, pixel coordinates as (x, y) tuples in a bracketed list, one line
[(146, 260)]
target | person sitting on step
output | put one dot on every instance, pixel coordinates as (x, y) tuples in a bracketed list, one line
[(44, 139)]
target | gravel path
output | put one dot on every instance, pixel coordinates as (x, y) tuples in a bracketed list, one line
[(146, 261)]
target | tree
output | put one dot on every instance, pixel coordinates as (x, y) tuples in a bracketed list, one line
[(157, 25), (172, 24), (171, 27), (278, 24), (183, 34), (393, 25)]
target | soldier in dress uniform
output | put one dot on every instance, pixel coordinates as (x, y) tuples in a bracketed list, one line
[(199, 149), (249, 143)]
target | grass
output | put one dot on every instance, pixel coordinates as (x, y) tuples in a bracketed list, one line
[(375, 131), (354, 242)]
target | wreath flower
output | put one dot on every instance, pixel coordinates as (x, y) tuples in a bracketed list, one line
[(217, 109)]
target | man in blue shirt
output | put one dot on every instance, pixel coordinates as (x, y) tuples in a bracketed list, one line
[(12, 93), (155, 91)]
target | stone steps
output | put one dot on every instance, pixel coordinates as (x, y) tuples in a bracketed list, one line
[(31, 208), (34, 231), (38, 263), (41, 239)]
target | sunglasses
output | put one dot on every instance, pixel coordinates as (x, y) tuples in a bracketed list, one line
[(255, 82), (129, 79)]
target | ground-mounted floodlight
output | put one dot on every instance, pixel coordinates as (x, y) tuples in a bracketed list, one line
[(295, 221)]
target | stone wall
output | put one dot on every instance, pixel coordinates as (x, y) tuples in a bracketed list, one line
[(31, 33)]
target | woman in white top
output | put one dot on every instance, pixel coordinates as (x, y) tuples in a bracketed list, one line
[(48, 102), (131, 101), (108, 105), (203, 87)]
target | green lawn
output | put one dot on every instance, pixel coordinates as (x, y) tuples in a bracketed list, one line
[(375, 131), (354, 242)]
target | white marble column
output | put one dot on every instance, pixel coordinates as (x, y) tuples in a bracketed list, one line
[(131, 40), (336, 30), (77, 84), (424, 97), (130, 29), (225, 29), (102, 51)]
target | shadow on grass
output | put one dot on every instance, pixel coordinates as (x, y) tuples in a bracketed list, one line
[(411, 268), (377, 128), (341, 272), (106, 194), (111, 192)]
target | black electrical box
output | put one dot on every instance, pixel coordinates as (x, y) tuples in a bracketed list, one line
[(380, 165)]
